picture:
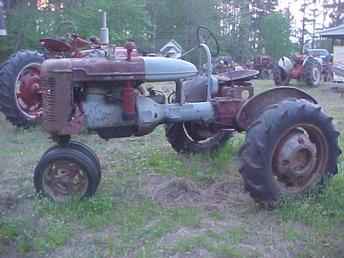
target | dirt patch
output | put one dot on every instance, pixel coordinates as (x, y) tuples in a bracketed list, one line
[(193, 254), (8, 249), (174, 191), (182, 192)]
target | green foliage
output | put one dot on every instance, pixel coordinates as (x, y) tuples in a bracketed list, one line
[(323, 211), (126, 19), (276, 35), (170, 163), (240, 28), (220, 244)]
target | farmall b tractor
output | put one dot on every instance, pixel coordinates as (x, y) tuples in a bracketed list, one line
[(291, 144)]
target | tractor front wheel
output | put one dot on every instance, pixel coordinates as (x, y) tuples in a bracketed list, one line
[(78, 146), (289, 149), (65, 174)]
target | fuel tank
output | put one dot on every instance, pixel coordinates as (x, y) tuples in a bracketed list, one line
[(107, 69)]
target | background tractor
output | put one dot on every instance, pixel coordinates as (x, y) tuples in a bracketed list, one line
[(300, 67), (326, 60), (264, 65), (104, 95)]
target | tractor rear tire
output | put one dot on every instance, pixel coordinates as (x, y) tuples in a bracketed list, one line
[(291, 156), (281, 78), (184, 138), (9, 74), (312, 73)]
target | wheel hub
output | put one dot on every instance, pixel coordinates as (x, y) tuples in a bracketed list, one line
[(28, 91), (296, 158), (64, 179)]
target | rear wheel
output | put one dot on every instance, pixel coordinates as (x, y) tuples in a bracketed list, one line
[(20, 92), (289, 157), (194, 138), (65, 174), (312, 73)]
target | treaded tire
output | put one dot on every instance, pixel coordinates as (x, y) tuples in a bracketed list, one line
[(9, 72), (181, 142), (262, 137), (309, 67), (280, 77), (72, 155), (82, 148)]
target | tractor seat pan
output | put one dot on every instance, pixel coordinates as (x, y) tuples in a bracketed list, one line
[(242, 75), (55, 45)]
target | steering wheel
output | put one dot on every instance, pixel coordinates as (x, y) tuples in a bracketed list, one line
[(66, 29), (205, 36)]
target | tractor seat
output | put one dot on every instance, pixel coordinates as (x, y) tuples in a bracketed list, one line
[(242, 75), (55, 45)]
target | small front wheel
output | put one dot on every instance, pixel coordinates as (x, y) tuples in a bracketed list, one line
[(82, 148), (289, 149), (65, 174)]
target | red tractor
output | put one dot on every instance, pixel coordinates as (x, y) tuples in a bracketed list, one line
[(103, 95), (301, 67), (264, 65)]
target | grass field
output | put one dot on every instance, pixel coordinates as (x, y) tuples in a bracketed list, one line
[(155, 203)]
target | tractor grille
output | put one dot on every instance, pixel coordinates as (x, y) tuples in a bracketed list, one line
[(49, 99), (57, 101)]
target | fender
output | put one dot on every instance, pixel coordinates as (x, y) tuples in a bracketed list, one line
[(254, 106)]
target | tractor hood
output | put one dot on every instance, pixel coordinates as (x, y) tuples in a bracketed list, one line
[(107, 69)]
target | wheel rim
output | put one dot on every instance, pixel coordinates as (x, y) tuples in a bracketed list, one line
[(28, 93), (300, 158), (316, 75), (65, 180)]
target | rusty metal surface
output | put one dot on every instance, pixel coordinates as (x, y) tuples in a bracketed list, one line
[(104, 69), (226, 109), (296, 156), (28, 92), (100, 69), (55, 45), (237, 92), (57, 99), (254, 106), (300, 157), (195, 90), (237, 75), (64, 179)]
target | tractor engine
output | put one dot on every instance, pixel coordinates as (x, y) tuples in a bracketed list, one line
[(102, 95)]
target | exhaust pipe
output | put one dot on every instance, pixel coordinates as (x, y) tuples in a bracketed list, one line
[(104, 31)]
